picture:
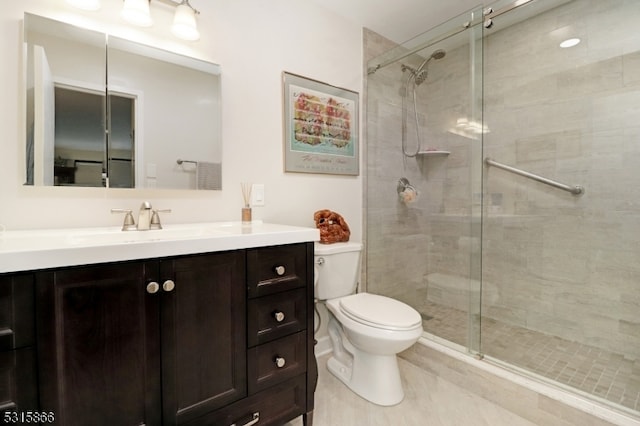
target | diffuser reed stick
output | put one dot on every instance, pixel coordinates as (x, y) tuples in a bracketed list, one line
[(246, 197), (246, 192)]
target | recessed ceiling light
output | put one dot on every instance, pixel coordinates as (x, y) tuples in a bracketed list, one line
[(569, 42)]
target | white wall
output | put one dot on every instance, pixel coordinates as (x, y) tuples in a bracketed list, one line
[(254, 41)]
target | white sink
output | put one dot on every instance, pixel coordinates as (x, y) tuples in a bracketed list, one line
[(101, 236)]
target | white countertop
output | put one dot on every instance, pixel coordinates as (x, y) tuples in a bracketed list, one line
[(51, 248)]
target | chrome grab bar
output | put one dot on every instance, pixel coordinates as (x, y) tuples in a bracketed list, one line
[(575, 189), (180, 161)]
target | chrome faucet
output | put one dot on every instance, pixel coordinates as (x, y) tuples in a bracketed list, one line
[(144, 216)]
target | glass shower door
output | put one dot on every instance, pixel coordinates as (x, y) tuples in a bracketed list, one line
[(561, 271), (424, 176)]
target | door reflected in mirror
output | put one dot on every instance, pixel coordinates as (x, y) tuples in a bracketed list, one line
[(155, 108), (79, 137)]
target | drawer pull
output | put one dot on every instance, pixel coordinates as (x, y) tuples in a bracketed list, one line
[(280, 362), (280, 270), (153, 287), (279, 316), (255, 418), (168, 285)]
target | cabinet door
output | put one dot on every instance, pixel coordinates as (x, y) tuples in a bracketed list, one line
[(17, 358), (98, 344), (203, 334), (16, 311)]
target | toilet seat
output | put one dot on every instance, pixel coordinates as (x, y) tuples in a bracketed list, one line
[(380, 312)]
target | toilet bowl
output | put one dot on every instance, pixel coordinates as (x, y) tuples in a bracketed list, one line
[(367, 331), (365, 348)]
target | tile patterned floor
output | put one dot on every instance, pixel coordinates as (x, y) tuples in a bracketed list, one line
[(429, 400), (596, 371)]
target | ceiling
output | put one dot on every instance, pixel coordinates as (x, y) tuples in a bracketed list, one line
[(399, 20)]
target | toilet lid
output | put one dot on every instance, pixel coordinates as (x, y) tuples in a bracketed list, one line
[(380, 311)]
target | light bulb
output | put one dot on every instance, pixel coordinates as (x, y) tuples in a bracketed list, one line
[(136, 12), (184, 22)]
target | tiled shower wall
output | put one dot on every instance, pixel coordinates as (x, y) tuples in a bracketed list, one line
[(410, 245), (552, 262)]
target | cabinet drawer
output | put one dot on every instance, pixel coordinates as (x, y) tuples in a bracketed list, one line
[(277, 315), (276, 361), (273, 406), (274, 269), (16, 311)]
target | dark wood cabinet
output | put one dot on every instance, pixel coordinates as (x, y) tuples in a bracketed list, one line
[(208, 339), (18, 379), (281, 341), (203, 335), (98, 344), (280, 363)]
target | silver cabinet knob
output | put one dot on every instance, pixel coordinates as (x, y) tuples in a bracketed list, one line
[(280, 362), (168, 285), (280, 270), (279, 316), (153, 287)]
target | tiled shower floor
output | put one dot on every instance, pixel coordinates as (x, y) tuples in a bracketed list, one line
[(596, 371)]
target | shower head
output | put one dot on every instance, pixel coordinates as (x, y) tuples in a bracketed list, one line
[(421, 77), (438, 54), (420, 73)]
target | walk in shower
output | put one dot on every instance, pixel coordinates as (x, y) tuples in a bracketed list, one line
[(519, 240)]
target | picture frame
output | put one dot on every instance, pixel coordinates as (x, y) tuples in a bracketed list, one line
[(321, 132)]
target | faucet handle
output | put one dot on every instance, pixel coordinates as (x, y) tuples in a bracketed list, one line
[(129, 224), (155, 218)]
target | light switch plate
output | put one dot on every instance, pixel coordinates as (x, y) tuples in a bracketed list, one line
[(257, 194)]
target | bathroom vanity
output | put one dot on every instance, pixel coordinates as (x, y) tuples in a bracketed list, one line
[(204, 324)]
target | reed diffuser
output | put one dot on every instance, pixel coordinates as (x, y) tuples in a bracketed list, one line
[(246, 197)]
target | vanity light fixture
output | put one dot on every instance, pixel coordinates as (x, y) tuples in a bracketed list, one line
[(85, 4), (137, 12), (184, 25)]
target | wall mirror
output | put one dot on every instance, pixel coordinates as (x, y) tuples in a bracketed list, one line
[(103, 111)]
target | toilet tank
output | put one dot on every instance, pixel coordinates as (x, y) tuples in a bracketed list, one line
[(337, 269)]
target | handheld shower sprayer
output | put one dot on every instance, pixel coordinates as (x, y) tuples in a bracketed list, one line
[(418, 76), (420, 73)]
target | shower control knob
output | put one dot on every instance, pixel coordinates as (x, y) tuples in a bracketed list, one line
[(168, 285), (280, 362), (279, 316), (280, 270), (153, 287)]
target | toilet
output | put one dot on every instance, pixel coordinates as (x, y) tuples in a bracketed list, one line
[(367, 331)]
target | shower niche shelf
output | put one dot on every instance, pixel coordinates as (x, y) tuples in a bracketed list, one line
[(433, 153)]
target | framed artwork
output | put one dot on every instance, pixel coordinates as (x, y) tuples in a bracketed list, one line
[(320, 127)]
